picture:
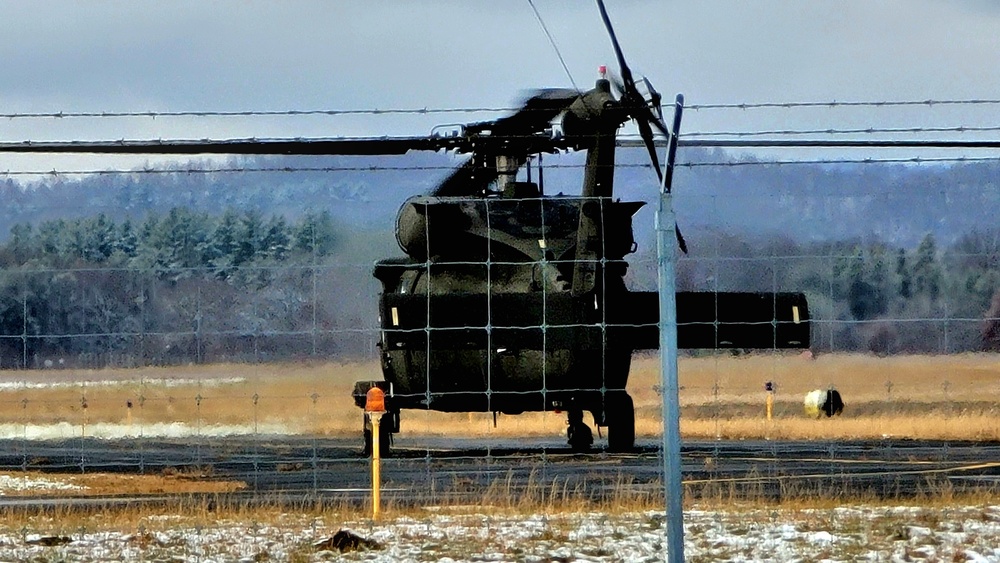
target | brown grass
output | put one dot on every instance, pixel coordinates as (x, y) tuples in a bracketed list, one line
[(107, 484), (503, 496), (722, 396), (193, 512), (953, 397), (929, 397)]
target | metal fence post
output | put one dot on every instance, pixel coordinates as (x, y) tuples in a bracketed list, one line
[(666, 245)]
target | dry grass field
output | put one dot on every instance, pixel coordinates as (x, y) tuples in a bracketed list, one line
[(75, 484), (722, 396)]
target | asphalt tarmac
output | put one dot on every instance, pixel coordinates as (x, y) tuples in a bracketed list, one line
[(429, 470)]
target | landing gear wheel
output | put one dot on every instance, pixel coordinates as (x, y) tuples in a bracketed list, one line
[(620, 417), (385, 437), (578, 434)]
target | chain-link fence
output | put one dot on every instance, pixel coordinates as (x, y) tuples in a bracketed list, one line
[(204, 326)]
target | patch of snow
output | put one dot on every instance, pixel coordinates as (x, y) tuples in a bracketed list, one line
[(110, 430), (18, 483), (730, 535), (151, 382), (820, 537)]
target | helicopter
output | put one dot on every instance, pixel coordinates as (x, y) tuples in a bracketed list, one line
[(508, 299)]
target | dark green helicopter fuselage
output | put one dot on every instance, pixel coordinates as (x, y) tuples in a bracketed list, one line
[(505, 332)]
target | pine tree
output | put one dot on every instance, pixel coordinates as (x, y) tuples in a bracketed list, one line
[(52, 238), (127, 241), (277, 240), (905, 288), (97, 238), (249, 238), (22, 243), (225, 243), (927, 276), (178, 243), (315, 234)]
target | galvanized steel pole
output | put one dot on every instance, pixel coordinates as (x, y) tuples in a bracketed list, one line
[(666, 250)]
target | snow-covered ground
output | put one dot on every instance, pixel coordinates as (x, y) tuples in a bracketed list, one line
[(967, 533), (114, 431), (27, 384), (21, 483)]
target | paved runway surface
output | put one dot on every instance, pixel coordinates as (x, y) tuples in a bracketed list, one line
[(433, 469)]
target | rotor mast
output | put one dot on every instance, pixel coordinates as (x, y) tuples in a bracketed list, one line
[(595, 117), (507, 167)]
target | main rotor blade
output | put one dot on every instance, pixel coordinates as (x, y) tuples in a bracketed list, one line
[(514, 136), (654, 98), (551, 97), (360, 146), (646, 114), (680, 239), (622, 66), (536, 112), (642, 108), (647, 138), (634, 103), (470, 179)]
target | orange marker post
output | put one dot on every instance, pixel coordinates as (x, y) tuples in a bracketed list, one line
[(375, 408)]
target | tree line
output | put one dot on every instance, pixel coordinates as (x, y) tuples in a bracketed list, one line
[(184, 286), (869, 295), (176, 287), (174, 245)]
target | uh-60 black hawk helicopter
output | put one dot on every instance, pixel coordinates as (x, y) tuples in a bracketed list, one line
[(510, 300)]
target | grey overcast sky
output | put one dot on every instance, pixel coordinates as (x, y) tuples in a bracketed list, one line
[(297, 55)]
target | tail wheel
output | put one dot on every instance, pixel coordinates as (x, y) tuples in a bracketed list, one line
[(621, 422)]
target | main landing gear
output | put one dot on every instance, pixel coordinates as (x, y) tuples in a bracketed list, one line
[(578, 434), (619, 417)]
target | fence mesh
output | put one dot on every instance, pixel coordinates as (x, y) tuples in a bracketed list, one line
[(204, 330)]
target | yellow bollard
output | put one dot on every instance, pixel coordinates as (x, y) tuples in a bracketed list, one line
[(83, 406), (376, 418), (375, 408), (769, 402)]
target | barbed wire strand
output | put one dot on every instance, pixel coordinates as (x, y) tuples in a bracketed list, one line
[(476, 109), (855, 131), (400, 145), (842, 104)]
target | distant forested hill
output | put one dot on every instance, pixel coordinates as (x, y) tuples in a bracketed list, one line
[(895, 203), (201, 263)]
